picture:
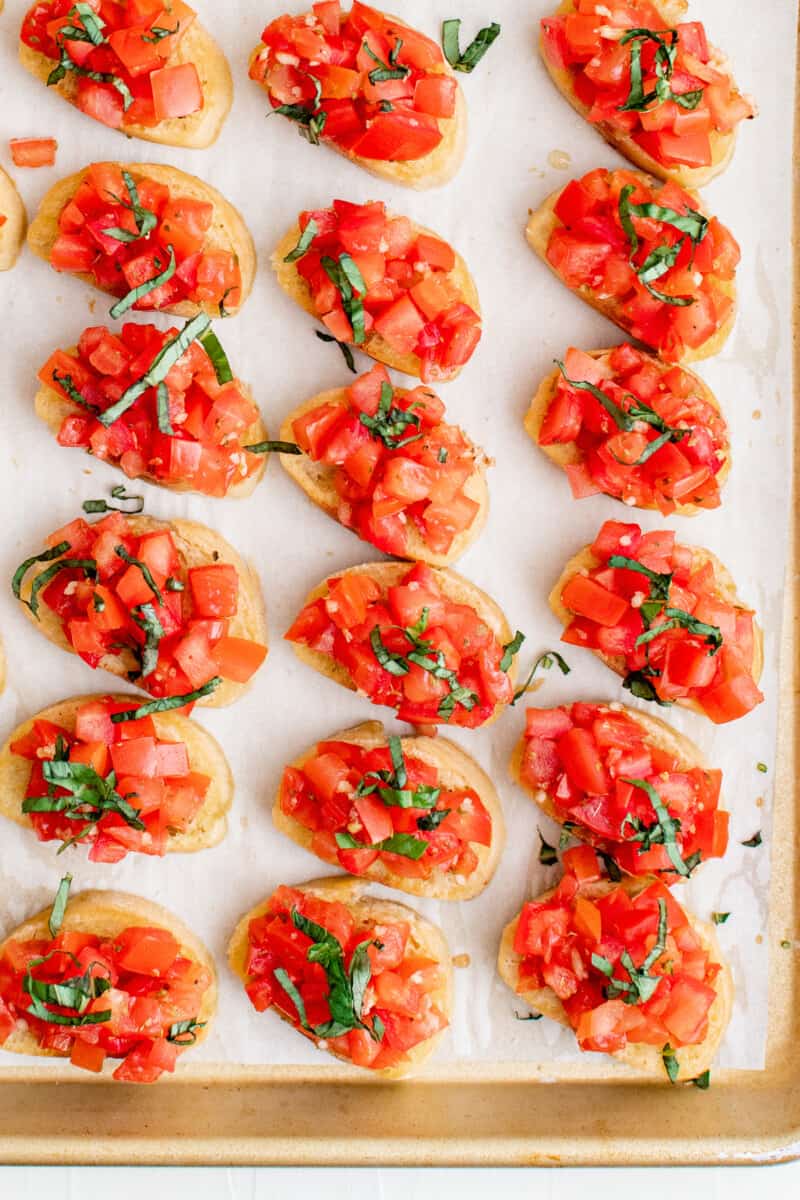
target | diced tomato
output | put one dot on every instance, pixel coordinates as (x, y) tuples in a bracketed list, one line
[(33, 152)]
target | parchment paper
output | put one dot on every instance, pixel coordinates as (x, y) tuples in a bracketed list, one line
[(517, 122)]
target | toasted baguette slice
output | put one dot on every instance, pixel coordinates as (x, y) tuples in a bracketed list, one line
[(51, 407), (107, 913), (197, 546), (316, 480), (435, 168), (455, 587), (373, 345), (543, 221), (566, 453), (643, 1058), (456, 770), (425, 939), (196, 131), (228, 231), (722, 144), (207, 827), (12, 230), (584, 560)]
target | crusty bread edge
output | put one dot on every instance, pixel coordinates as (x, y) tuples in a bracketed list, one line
[(12, 231)]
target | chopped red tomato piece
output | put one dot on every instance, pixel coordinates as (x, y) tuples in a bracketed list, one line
[(33, 152)]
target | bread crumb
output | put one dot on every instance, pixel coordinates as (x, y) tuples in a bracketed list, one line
[(460, 960)]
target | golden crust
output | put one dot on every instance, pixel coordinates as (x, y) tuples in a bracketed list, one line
[(456, 770), (316, 481), (196, 131), (722, 144), (543, 221), (584, 561), (425, 939), (107, 913), (373, 345), (197, 546), (12, 231), (207, 827), (644, 1059), (387, 574), (51, 407), (567, 453), (228, 231)]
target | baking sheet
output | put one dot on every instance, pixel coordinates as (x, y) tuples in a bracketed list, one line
[(524, 141)]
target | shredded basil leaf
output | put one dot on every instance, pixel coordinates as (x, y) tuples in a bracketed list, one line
[(144, 289), (510, 649), (87, 565), (159, 368), (56, 918), (671, 1064), (548, 855), (474, 52), (184, 1033), (122, 553), (166, 703), (391, 422), (719, 918), (702, 1081), (404, 844), (385, 71), (347, 353), (304, 242), (274, 447), (219, 359), (117, 493), (346, 987), (664, 832), (545, 661), (348, 281), (753, 841), (145, 617), (310, 124), (67, 383)]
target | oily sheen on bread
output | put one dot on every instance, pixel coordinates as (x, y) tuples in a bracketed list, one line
[(722, 144), (228, 231), (425, 939), (644, 1059), (566, 453), (456, 770), (197, 546), (107, 913), (316, 480), (199, 129), (209, 824), (12, 230), (543, 221)]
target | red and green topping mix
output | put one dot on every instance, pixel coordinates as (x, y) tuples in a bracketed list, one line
[(381, 805), (666, 268), (662, 608), (372, 274), (118, 53), (611, 784), (397, 466), (644, 434), (356, 985), (134, 996), (362, 80), (664, 88), (628, 970), (120, 593), (139, 242), (160, 404), (410, 647), (115, 786)]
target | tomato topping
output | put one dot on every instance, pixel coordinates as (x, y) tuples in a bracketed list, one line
[(130, 596), (600, 769), (642, 432), (396, 466), (363, 81), (372, 278), (396, 1009), (410, 647), (664, 611), (127, 231), (627, 970), (667, 89), (664, 269), (33, 152), (130, 44)]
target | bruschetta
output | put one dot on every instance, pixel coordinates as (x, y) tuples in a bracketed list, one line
[(629, 970), (154, 237), (169, 605), (106, 975), (413, 813), (379, 991), (381, 283), (383, 462), (369, 86), (157, 785), (622, 423), (425, 642), (13, 222), (162, 405), (150, 70), (649, 82), (664, 616), (646, 255), (626, 783)]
